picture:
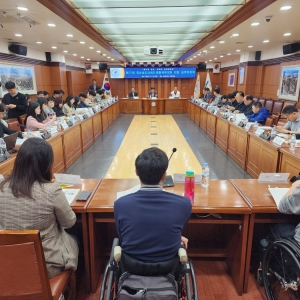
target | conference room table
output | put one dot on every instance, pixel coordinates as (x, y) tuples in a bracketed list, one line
[(263, 212), (222, 236), (80, 229), (153, 106)]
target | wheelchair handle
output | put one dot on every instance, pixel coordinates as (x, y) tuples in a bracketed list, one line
[(182, 255), (117, 253)]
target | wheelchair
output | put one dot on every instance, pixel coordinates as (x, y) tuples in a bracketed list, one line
[(281, 270), (183, 278)]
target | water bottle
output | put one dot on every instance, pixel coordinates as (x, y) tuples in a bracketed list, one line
[(58, 124), (189, 185), (293, 142), (29, 135), (205, 175), (2, 146), (273, 132), (48, 127), (255, 126)]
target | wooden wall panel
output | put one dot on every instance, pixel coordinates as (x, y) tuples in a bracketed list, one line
[(270, 83)]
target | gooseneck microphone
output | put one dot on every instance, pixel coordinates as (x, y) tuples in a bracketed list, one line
[(173, 151)]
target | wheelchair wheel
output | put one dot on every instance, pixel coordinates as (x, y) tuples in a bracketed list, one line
[(188, 285), (109, 285), (281, 271)]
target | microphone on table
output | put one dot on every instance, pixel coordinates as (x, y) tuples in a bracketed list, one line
[(169, 180)]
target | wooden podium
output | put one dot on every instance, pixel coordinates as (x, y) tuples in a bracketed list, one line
[(153, 106)]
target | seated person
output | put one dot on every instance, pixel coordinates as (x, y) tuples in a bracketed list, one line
[(35, 120), (293, 125), (56, 94), (152, 93), (175, 93), (76, 102), (91, 97), (150, 222), (82, 98), (40, 94), (30, 201), (49, 108), (218, 96), (46, 94), (132, 93), (247, 108), (207, 94), (69, 108), (260, 114), (58, 104), (3, 128), (239, 97), (224, 101)]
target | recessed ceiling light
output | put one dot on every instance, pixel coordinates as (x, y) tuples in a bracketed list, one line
[(65, 51), (266, 41), (195, 56), (112, 59), (74, 54), (82, 42), (287, 7), (255, 24), (38, 42), (287, 34), (104, 54), (199, 54), (206, 62), (18, 34), (235, 34), (228, 53), (51, 25), (238, 50), (108, 56), (91, 47), (22, 8), (221, 42), (212, 47), (215, 58), (250, 46), (54, 47), (204, 50), (191, 59), (70, 35), (98, 51), (81, 56), (88, 59), (221, 55), (210, 60)]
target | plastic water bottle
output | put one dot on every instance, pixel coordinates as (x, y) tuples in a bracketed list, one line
[(2, 146), (58, 124), (273, 132), (255, 126), (205, 175), (189, 185), (29, 135), (293, 142)]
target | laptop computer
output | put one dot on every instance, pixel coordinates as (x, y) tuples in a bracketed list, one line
[(10, 141)]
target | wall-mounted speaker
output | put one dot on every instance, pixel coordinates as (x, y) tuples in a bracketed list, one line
[(291, 48), (201, 66), (102, 66), (48, 56), (257, 55), (18, 49)]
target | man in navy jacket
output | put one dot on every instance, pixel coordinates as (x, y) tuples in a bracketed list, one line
[(260, 114), (150, 222)]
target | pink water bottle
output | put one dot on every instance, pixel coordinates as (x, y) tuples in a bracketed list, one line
[(189, 185)]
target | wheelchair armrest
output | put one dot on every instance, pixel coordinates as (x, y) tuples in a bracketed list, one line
[(182, 255), (117, 253)]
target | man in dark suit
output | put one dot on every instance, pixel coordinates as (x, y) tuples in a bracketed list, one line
[(133, 93), (152, 93), (94, 86)]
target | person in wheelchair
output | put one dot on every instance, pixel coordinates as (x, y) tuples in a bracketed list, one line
[(150, 222)]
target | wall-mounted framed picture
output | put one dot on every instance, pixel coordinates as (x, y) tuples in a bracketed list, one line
[(289, 83), (231, 79), (216, 67), (22, 76), (241, 75)]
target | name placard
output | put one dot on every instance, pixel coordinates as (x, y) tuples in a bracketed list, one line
[(64, 125), (278, 140), (259, 131), (67, 178), (248, 126)]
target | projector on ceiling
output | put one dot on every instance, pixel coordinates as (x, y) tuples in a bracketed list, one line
[(154, 50)]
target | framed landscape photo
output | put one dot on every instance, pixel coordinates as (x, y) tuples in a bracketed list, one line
[(22, 76), (231, 79), (241, 75), (289, 83)]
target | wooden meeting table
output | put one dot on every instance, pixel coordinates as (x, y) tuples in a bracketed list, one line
[(224, 237), (263, 211)]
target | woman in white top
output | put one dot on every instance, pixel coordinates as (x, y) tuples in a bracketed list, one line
[(68, 108), (34, 119)]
